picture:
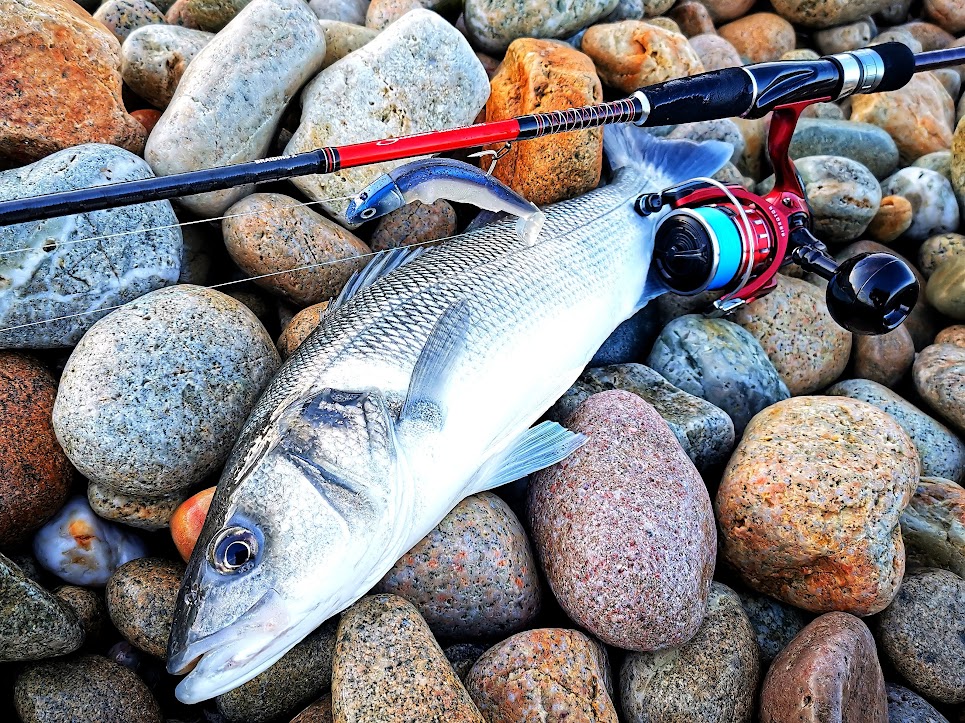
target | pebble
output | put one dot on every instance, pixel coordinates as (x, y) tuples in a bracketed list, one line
[(946, 288), (952, 335), (148, 117), (140, 411), (64, 273), (90, 610), (415, 223), (630, 341), (808, 506), (135, 511), (61, 71), (845, 37), (919, 117), (951, 80), (939, 375), (938, 249), (713, 677), (897, 35), (86, 688), (301, 675), (883, 358), (905, 706), (632, 53), (141, 595), (232, 95), (343, 38), (82, 549), (826, 13), (893, 218), (721, 362), (633, 592), (705, 432), (931, 36), (939, 161), (923, 634), (35, 475), (187, 521), (793, 326), (894, 11), (34, 624), (865, 143), (949, 14), (388, 666), (318, 712), (209, 15), (829, 672), (415, 56), (775, 624), (933, 525), (934, 207), (266, 233), (715, 52), (546, 674), (123, 17), (723, 129), (473, 576), (723, 10), (759, 37), (942, 453), (755, 138), (492, 25), (693, 18), (298, 329), (154, 58), (346, 11), (463, 656), (538, 76)]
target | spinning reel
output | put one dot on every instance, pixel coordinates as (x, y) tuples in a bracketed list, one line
[(719, 238)]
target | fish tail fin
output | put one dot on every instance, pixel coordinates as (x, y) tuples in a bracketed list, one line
[(662, 163)]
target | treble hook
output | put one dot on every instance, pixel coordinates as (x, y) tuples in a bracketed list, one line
[(495, 154)]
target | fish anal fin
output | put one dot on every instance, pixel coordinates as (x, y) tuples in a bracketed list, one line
[(378, 267)]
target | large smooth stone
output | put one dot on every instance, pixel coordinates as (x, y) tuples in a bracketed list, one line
[(759, 37), (74, 268), (933, 203), (209, 15), (231, 97), (34, 624), (154, 58), (884, 358), (637, 592), (389, 87), (933, 525), (941, 452), (939, 375), (153, 397), (721, 362), (389, 667), (141, 595), (826, 13), (809, 504), (61, 83), (865, 143), (545, 674), (829, 672), (346, 11), (705, 432), (946, 289), (905, 706), (492, 25), (712, 678)]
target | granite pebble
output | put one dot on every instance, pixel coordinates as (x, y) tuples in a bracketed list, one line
[(938, 249), (906, 706), (883, 358), (939, 376), (934, 207), (154, 58), (140, 600), (492, 25), (933, 525), (775, 623), (123, 17), (865, 143), (414, 224)]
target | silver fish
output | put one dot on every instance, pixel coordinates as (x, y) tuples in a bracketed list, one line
[(416, 390)]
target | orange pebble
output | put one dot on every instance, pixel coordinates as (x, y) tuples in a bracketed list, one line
[(188, 519), (148, 117)]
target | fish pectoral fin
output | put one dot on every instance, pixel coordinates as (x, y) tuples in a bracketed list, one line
[(545, 444), (382, 265), (433, 370)]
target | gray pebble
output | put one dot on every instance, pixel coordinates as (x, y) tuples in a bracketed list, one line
[(933, 203), (494, 24), (938, 161), (154, 58), (931, 525), (845, 37), (905, 706), (722, 129), (123, 17), (939, 249), (865, 143), (775, 623), (141, 595), (346, 11)]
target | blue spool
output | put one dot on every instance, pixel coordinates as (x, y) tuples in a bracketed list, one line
[(729, 245)]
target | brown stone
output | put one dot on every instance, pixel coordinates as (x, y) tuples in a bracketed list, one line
[(949, 14), (210, 15), (298, 329), (932, 525), (939, 374), (931, 36), (147, 117), (140, 600), (318, 712), (539, 76), (413, 224), (60, 82), (952, 335), (715, 52), (693, 18), (893, 218), (723, 10), (760, 37), (829, 672), (946, 288), (884, 358)]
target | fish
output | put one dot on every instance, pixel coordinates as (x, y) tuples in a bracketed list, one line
[(418, 388), (428, 180)]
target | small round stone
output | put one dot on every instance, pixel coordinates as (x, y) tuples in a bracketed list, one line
[(723, 129), (318, 712), (931, 36), (759, 37), (939, 249), (775, 624), (90, 610), (865, 143), (715, 52), (147, 117), (893, 218), (141, 595), (462, 656), (935, 210), (414, 223), (723, 10), (949, 14), (845, 37), (146, 514), (693, 18), (905, 706), (923, 634), (154, 58), (123, 17), (884, 358), (939, 374), (946, 288), (952, 335), (939, 161), (298, 329), (931, 525)]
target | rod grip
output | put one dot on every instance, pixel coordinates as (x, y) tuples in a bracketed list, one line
[(717, 94), (898, 61)]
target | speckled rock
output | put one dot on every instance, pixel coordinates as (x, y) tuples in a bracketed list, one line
[(298, 329), (154, 58), (939, 249), (59, 69), (796, 331), (139, 409), (715, 52), (346, 11), (722, 129), (931, 36), (894, 217), (933, 525), (826, 13), (492, 25), (301, 675), (33, 623), (388, 666), (711, 678), (473, 576), (343, 38), (905, 706), (897, 35), (949, 14), (957, 167), (705, 432), (932, 199), (721, 362), (632, 53), (759, 37), (939, 374), (140, 600), (414, 223), (135, 511), (808, 506), (883, 358), (87, 688), (825, 111), (952, 335), (865, 143), (631, 340), (123, 17), (35, 475), (546, 674), (939, 161), (845, 37), (829, 672), (920, 116), (638, 10), (692, 17), (89, 608), (231, 97), (775, 624), (414, 57), (75, 266), (463, 656), (209, 15), (946, 288), (318, 712), (381, 13), (649, 593), (923, 633)]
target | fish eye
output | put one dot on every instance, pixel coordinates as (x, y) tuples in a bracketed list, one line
[(233, 550), (368, 213)]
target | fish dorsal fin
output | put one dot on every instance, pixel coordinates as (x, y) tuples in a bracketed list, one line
[(378, 267), (434, 368), (545, 444)]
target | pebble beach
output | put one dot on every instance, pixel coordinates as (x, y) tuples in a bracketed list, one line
[(767, 521)]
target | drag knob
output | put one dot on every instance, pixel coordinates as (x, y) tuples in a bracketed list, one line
[(872, 293)]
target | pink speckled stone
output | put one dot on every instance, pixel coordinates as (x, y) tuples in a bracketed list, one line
[(474, 575), (624, 527)]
